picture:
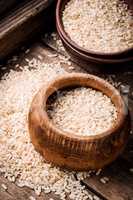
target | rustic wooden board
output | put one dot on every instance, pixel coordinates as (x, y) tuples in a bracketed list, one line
[(24, 23), (14, 192), (6, 6), (120, 185)]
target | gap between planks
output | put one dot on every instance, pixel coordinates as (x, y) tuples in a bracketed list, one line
[(120, 186), (14, 192), (121, 182)]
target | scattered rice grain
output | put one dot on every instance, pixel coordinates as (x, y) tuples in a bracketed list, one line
[(131, 170), (98, 172), (104, 180), (32, 198), (17, 155), (96, 197), (4, 186), (27, 51)]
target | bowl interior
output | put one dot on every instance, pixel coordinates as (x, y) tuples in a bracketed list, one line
[(74, 80), (59, 10), (98, 59)]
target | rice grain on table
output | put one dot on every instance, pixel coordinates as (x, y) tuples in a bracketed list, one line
[(101, 26), (82, 111), (19, 161), (32, 198), (4, 186)]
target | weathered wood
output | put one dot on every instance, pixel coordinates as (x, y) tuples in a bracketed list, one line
[(7, 5), (24, 23), (14, 192), (120, 185)]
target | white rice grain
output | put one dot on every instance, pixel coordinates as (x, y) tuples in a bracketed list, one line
[(104, 26), (82, 111), (18, 158)]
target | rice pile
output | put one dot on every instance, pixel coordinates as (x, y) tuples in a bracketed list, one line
[(103, 26), (19, 162), (82, 111)]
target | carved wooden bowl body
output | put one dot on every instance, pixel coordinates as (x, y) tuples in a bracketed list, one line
[(72, 151)]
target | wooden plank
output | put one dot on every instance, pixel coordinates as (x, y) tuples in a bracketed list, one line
[(6, 6), (24, 23), (120, 186), (14, 192)]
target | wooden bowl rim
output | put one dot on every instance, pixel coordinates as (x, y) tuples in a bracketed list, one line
[(59, 23), (47, 124)]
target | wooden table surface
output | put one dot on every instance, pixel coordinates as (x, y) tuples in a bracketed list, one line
[(120, 185)]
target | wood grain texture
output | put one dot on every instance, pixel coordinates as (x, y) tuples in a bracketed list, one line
[(14, 192), (7, 5), (120, 186), (24, 23)]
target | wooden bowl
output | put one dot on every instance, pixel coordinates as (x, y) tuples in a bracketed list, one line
[(73, 151), (82, 54)]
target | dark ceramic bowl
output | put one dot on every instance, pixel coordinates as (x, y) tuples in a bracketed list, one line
[(85, 56)]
